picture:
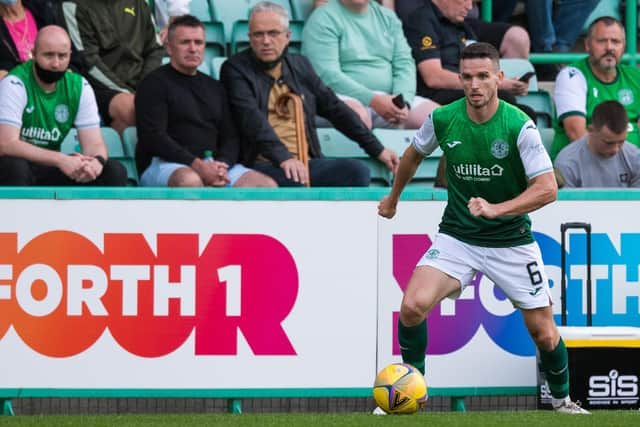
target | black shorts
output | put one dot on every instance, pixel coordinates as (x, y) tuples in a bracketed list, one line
[(489, 32), (103, 99)]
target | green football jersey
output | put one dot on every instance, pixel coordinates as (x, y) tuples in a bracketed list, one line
[(578, 92), (484, 160), (48, 117)]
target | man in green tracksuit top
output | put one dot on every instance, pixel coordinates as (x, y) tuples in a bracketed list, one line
[(40, 101), (119, 46), (498, 171)]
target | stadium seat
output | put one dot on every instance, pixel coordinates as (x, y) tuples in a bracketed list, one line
[(603, 8), (301, 9), (336, 145), (240, 36), (216, 39), (398, 140), (547, 135), (70, 143), (516, 67), (128, 160), (202, 10), (542, 104), (216, 64)]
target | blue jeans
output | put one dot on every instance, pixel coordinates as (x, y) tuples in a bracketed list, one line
[(324, 173), (558, 30)]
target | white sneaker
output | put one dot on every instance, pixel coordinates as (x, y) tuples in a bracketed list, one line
[(566, 406), (379, 411)]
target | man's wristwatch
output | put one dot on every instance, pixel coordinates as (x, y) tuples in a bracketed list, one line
[(100, 159)]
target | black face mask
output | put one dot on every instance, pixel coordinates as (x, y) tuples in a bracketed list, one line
[(48, 76)]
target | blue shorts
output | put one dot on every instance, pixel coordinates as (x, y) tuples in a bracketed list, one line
[(159, 172)]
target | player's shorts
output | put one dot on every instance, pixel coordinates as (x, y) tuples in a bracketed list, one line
[(518, 271), (159, 172)]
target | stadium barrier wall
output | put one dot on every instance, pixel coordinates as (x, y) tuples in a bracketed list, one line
[(236, 293)]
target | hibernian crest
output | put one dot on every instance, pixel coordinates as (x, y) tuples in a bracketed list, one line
[(432, 254), (625, 96), (61, 113), (499, 149)]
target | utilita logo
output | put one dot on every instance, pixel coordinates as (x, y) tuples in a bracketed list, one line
[(60, 292)]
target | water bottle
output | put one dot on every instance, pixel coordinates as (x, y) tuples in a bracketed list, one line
[(208, 156)]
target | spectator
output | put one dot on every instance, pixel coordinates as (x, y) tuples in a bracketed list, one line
[(602, 158), (437, 33), (597, 78), (181, 114), (358, 49), (118, 41), (19, 26), (256, 77), (39, 104)]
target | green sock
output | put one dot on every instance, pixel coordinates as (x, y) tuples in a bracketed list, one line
[(555, 365), (413, 344)]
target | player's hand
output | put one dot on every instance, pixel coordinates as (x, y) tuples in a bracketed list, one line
[(384, 106), (390, 160), (212, 174), (295, 170), (91, 169), (387, 207), (515, 86), (480, 207)]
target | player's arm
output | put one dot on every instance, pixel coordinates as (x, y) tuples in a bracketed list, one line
[(542, 188), (570, 97), (423, 144), (575, 127)]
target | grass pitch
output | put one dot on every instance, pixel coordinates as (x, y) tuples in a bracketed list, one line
[(430, 419)]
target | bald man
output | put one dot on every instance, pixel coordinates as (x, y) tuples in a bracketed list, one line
[(40, 101)]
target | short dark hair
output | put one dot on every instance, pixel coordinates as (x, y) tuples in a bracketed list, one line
[(607, 21), (184, 21), (610, 114), (481, 50)]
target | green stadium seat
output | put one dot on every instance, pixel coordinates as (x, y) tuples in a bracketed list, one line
[(202, 10), (216, 65), (128, 160), (398, 140), (603, 8), (542, 104), (336, 145), (516, 67), (547, 135), (301, 9), (70, 143), (215, 37)]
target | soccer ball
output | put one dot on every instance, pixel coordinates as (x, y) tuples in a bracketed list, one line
[(400, 389)]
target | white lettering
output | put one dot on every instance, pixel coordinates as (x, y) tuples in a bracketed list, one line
[(622, 289), (77, 294), (130, 276), (232, 276), (185, 290), (24, 296), (6, 273)]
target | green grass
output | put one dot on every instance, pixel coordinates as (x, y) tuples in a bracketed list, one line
[(426, 419)]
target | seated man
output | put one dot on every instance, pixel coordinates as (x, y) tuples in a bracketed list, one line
[(118, 43), (602, 157), (437, 32), (258, 77), (358, 49), (40, 101), (181, 115), (599, 77)]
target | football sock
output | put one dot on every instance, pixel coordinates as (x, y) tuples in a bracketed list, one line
[(555, 365), (413, 344)]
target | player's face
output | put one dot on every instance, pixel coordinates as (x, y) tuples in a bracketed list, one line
[(480, 78), (605, 46), (268, 36), (455, 10), (605, 142), (186, 48)]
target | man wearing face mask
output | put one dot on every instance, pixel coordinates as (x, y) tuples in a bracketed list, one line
[(40, 101), (257, 77)]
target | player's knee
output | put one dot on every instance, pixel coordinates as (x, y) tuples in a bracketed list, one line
[(185, 177), (411, 311), (545, 340)]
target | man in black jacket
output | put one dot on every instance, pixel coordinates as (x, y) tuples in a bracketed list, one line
[(255, 78)]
